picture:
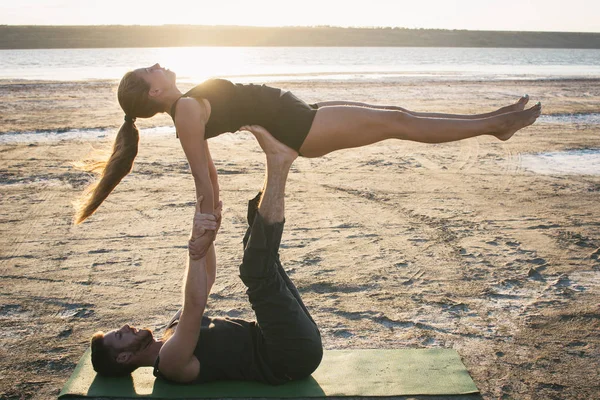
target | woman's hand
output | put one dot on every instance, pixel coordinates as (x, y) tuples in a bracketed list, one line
[(207, 222), (218, 215), (204, 230)]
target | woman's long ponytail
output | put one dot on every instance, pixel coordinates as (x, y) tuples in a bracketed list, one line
[(136, 103), (118, 165)]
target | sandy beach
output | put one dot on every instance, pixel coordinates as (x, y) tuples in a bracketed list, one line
[(394, 245)]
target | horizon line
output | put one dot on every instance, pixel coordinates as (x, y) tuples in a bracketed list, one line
[(291, 27)]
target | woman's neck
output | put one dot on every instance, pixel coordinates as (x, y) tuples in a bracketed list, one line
[(169, 98)]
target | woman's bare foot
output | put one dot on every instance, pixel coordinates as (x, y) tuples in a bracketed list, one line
[(518, 106), (518, 120), (274, 149)]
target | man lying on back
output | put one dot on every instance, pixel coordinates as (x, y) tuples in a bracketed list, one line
[(283, 343)]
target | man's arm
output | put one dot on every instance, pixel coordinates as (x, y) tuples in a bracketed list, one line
[(177, 359), (206, 224), (211, 255)]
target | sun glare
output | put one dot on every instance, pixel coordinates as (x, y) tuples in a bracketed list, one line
[(196, 64)]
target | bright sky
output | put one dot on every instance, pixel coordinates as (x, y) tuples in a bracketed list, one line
[(510, 15)]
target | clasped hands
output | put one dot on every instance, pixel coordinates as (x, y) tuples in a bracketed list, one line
[(204, 230)]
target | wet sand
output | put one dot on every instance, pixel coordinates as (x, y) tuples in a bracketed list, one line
[(395, 245)]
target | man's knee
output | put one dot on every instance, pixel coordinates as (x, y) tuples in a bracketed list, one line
[(311, 356), (316, 352)]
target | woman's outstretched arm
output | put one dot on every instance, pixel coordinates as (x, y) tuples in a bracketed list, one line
[(190, 121), (212, 172)]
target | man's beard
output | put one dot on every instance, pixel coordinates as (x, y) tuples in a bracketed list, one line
[(145, 339)]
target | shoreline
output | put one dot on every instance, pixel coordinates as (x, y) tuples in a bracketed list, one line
[(402, 79), (103, 36)]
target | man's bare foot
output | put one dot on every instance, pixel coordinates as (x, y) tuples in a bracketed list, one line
[(274, 149), (518, 106), (518, 120)]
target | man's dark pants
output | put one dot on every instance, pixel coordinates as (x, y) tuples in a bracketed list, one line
[(291, 343)]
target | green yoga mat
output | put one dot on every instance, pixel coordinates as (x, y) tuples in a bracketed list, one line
[(342, 373)]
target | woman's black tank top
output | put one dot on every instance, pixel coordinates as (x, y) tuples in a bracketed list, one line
[(227, 350), (234, 105), (288, 118)]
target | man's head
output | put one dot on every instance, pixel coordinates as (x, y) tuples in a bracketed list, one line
[(119, 352)]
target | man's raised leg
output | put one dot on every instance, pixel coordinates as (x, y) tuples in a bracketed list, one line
[(291, 344)]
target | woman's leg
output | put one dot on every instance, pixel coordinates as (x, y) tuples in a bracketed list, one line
[(518, 106), (343, 127)]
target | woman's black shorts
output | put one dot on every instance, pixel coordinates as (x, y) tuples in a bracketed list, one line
[(292, 121)]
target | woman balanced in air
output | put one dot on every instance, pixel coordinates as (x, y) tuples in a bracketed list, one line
[(217, 106)]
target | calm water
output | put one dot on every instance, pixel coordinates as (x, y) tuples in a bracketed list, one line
[(571, 162), (244, 64)]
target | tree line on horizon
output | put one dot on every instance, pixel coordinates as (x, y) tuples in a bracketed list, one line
[(119, 36)]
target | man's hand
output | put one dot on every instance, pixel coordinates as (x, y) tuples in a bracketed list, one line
[(204, 230)]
